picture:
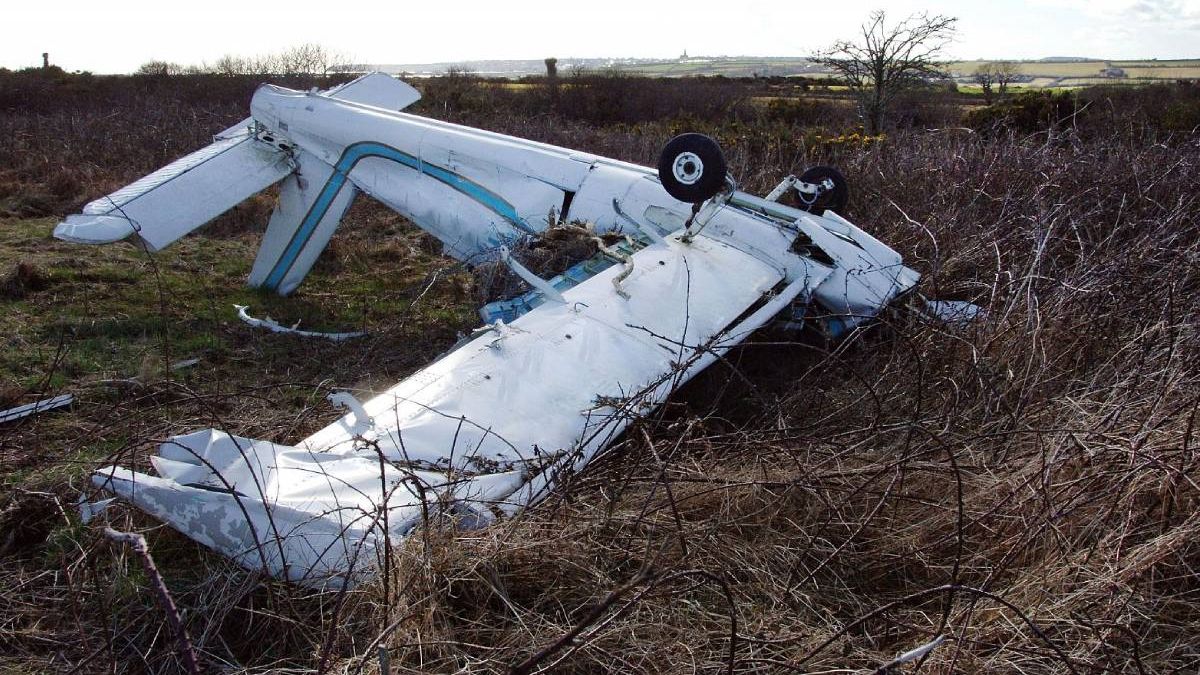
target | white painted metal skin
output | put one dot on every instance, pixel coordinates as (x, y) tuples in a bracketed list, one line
[(23, 411), (492, 426)]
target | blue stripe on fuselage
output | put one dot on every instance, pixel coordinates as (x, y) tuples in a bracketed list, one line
[(350, 157)]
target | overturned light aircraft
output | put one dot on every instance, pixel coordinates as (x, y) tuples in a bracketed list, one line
[(555, 375)]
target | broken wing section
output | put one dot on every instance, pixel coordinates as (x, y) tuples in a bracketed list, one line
[(311, 204), (318, 519), (570, 376), (182, 196)]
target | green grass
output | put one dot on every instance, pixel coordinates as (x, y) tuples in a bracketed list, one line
[(106, 323)]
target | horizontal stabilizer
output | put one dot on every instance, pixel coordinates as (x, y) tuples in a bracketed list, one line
[(375, 89), (378, 90), (182, 196)]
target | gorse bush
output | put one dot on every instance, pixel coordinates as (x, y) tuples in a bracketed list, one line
[(1145, 113), (1027, 112)]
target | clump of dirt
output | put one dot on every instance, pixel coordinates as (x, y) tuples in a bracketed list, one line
[(31, 204), (10, 394), (26, 519), (21, 281), (547, 255)]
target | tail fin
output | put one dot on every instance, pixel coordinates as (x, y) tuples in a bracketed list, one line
[(189, 192), (312, 204), (378, 90), (309, 209)]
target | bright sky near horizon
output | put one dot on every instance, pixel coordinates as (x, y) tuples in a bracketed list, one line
[(118, 35)]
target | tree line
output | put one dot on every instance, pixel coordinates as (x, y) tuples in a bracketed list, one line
[(305, 59)]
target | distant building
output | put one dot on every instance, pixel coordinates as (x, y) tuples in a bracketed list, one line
[(1112, 72)]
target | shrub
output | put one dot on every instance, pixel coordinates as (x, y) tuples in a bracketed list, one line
[(1027, 112), (1182, 116)]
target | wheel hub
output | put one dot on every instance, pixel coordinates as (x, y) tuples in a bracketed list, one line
[(688, 168)]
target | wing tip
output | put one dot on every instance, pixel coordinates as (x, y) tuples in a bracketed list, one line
[(93, 229)]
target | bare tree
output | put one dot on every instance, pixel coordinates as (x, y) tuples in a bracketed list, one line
[(985, 77), (160, 68), (1006, 73), (305, 59), (889, 59), (231, 65), (994, 77)]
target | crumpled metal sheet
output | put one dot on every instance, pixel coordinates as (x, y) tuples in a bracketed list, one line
[(956, 313), (304, 516)]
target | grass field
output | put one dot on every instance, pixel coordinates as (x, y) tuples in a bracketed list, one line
[(1042, 73), (1027, 488), (1062, 75)]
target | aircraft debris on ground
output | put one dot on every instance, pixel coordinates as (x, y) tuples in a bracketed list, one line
[(557, 373), (23, 411), (275, 327)]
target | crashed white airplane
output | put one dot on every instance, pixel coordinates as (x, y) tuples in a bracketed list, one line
[(558, 372)]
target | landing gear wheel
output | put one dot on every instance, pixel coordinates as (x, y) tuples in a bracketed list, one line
[(692, 168), (834, 199)]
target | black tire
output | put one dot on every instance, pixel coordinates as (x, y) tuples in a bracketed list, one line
[(692, 168), (834, 200)]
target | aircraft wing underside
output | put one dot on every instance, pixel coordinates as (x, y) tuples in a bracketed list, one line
[(479, 433)]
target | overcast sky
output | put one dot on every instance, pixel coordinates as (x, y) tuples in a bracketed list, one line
[(117, 36)]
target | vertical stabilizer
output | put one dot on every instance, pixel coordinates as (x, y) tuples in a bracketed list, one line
[(311, 203)]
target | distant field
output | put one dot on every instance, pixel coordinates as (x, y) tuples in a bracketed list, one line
[(1043, 73), (1082, 73), (748, 67)]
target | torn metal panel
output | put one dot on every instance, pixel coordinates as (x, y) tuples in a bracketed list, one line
[(276, 327), (22, 411), (955, 313), (89, 510), (305, 516), (377, 90)]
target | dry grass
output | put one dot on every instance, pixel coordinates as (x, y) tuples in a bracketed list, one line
[(1026, 487)]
